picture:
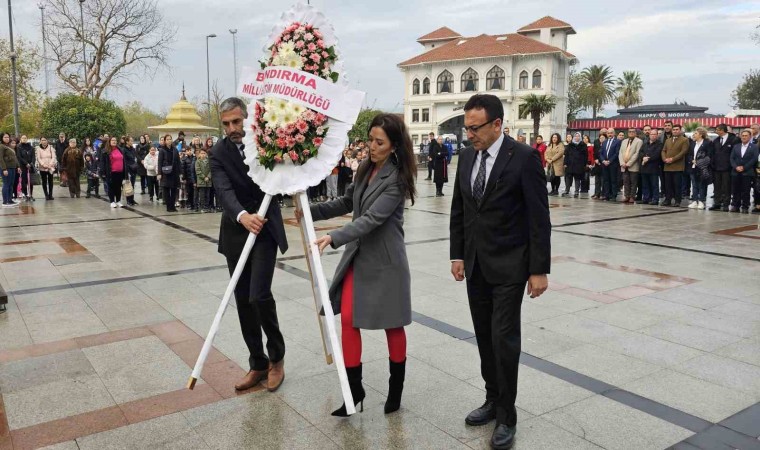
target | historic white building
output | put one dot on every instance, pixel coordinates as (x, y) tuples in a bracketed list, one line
[(452, 68)]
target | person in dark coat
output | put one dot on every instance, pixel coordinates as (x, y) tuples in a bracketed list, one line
[(130, 161), (241, 199), (744, 160), (143, 148), (372, 284), (60, 146), (26, 161), (438, 154), (720, 163), (169, 173), (576, 157), (651, 158)]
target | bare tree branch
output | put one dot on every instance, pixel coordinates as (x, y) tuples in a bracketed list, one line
[(124, 39)]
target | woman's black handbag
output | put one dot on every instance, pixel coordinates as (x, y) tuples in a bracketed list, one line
[(167, 170)]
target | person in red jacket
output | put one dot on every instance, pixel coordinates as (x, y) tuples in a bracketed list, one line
[(540, 147)]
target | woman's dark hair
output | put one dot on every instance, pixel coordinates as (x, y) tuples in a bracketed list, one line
[(551, 138), (2, 138), (401, 142), (143, 139), (84, 144), (107, 149), (205, 143)]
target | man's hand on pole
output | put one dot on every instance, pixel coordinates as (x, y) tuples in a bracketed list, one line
[(253, 222)]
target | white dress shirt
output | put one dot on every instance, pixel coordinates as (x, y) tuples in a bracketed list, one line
[(493, 152), (744, 149), (242, 153)]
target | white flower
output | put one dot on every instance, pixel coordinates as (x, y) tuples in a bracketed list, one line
[(287, 47), (320, 131)]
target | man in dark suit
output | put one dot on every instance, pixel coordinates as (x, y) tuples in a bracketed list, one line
[(609, 156), (241, 197), (500, 240), (744, 157), (720, 163)]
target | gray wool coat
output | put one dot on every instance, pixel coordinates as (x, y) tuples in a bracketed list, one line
[(375, 247)]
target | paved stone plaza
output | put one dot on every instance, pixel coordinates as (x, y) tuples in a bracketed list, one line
[(649, 337)]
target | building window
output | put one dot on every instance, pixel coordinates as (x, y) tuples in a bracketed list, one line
[(415, 115), (536, 79), (415, 140), (425, 115), (445, 82), (469, 80), (523, 80), (426, 86), (416, 87), (495, 78)]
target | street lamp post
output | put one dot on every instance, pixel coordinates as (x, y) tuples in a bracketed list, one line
[(84, 51), (41, 6), (234, 56), (208, 79), (13, 70)]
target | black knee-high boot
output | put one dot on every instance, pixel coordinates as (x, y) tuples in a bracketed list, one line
[(395, 386), (357, 390)]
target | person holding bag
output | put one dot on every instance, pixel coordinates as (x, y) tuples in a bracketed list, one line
[(168, 176), (113, 170), (555, 161), (371, 288), (47, 163), (26, 161)]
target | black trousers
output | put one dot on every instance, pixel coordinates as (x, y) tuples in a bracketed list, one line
[(203, 197), (27, 188), (114, 186), (495, 313), (190, 194), (256, 306), (569, 177), (152, 186), (722, 187), (47, 183), (673, 186), (610, 181), (740, 187), (170, 197), (93, 185)]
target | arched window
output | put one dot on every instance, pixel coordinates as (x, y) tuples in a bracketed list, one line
[(495, 78), (469, 80), (445, 82), (416, 87), (523, 80), (536, 79), (426, 86)]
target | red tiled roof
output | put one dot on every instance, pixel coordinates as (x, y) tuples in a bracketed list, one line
[(484, 46), (546, 22), (441, 33)]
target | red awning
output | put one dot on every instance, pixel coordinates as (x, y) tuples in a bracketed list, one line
[(622, 124)]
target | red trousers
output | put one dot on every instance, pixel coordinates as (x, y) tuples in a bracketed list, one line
[(351, 337)]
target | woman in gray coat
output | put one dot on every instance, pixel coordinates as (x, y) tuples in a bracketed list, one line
[(371, 287)]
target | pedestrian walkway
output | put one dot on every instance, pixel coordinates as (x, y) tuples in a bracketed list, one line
[(649, 337)]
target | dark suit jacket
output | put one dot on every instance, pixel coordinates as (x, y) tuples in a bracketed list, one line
[(720, 158), (749, 161), (654, 151), (509, 233), (613, 154), (237, 192)]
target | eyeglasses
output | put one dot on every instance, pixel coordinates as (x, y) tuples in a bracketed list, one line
[(474, 128)]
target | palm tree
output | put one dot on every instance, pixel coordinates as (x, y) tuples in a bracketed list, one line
[(629, 89), (599, 87), (537, 106)]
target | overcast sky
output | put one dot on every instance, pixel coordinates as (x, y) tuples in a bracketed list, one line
[(692, 50)]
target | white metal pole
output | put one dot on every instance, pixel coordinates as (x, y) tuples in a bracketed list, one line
[(226, 299)]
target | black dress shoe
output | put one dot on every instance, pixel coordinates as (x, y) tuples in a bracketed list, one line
[(724, 209), (503, 437), (481, 416), (715, 207)]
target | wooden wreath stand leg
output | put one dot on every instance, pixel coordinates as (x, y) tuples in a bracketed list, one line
[(319, 284), (226, 299), (323, 297)]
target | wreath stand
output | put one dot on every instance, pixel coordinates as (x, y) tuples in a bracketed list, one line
[(330, 342)]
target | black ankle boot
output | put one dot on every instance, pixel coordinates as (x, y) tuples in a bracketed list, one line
[(357, 390), (395, 386)]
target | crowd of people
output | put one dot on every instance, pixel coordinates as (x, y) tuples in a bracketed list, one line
[(648, 165)]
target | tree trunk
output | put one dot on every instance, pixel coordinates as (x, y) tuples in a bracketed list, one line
[(536, 124)]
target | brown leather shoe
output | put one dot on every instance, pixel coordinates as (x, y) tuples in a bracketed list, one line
[(251, 379), (276, 375)]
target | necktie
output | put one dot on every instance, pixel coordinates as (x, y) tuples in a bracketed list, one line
[(240, 149), (480, 180)]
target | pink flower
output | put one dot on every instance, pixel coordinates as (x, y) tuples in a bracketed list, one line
[(281, 142), (306, 153), (325, 55), (299, 45), (278, 158), (320, 119), (302, 126), (321, 43), (268, 140), (312, 47), (308, 36), (315, 57), (317, 141), (309, 115), (262, 153), (303, 53), (290, 128), (318, 34), (300, 138), (291, 141), (293, 155)]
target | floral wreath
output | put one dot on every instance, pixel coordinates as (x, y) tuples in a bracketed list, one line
[(292, 147), (286, 130)]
